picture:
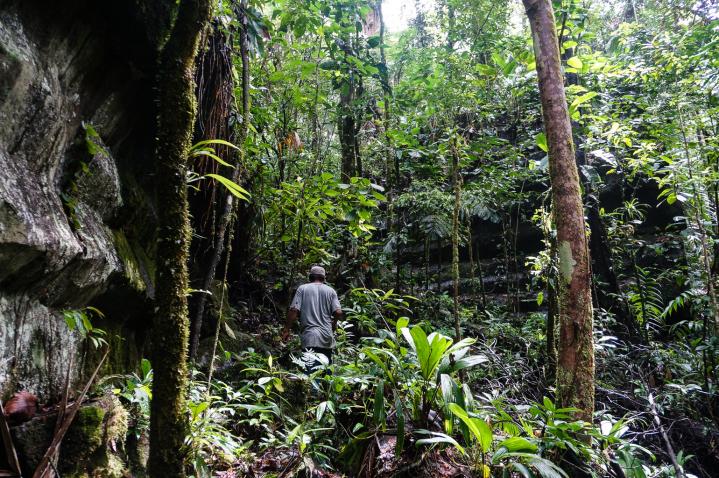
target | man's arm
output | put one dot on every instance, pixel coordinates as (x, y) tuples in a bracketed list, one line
[(289, 323), (336, 315), (337, 308)]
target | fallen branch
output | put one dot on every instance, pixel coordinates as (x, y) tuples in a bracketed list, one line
[(665, 437), (61, 413), (6, 438), (45, 464)]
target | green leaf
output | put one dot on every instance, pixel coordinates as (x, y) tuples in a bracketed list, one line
[(379, 415), (214, 141), (321, 408), (210, 154), (522, 470), (579, 100), (542, 142), (438, 438), (513, 444), (234, 188), (379, 362), (575, 62), (479, 428), (400, 427), (467, 362), (546, 468), (402, 323), (485, 70)]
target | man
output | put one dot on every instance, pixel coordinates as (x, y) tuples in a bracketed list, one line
[(319, 308)]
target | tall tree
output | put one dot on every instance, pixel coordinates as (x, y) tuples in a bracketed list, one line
[(231, 201), (575, 362), (175, 119), (457, 187)]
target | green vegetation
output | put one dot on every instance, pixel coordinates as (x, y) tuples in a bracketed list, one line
[(519, 209)]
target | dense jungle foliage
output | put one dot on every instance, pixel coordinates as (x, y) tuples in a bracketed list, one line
[(420, 164)]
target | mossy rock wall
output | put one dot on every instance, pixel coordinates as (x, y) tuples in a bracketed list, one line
[(77, 214), (95, 445)]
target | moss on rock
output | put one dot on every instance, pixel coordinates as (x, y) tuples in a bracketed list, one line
[(93, 443), (83, 439), (138, 267)]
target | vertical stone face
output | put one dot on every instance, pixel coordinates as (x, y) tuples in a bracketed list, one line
[(61, 198), (575, 361)]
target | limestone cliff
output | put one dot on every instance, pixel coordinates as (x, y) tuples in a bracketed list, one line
[(76, 174)]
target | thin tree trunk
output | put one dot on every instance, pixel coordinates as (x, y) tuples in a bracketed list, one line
[(426, 263), (698, 207), (439, 265), (610, 298), (346, 130), (456, 182), (505, 250), (470, 253), (481, 283), (228, 221), (575, 364), (230, 200), (175, 119), (390, 174)]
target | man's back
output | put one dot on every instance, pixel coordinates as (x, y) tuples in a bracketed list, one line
[(316, 303)]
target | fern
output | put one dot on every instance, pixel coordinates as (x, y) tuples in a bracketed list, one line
[(678, 302), (646, 299)]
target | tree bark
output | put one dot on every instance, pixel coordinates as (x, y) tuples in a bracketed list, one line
[(175, 119), (346, 130), (575, 364), (230, 200)]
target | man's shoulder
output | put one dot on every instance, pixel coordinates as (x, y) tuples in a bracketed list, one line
[(328, 289)]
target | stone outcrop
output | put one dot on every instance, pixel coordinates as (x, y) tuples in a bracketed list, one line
[(76, 209)]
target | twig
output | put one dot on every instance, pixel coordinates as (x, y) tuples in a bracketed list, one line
[(61, 412), (665, 437), (9, 445)]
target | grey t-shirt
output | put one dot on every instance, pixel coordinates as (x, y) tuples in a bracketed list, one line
[(316, 303)]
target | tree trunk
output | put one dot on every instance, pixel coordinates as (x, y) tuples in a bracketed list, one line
[(470, 256), (346, 130), (230, 200), (175, 120), (426, 263), (575, 364), (455, 242)]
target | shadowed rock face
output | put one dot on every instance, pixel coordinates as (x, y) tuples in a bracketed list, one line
[(75, 175)]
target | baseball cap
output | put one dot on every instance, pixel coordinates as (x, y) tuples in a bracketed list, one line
[(318, 271)]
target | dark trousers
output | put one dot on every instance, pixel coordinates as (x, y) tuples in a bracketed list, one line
[(313, 364)]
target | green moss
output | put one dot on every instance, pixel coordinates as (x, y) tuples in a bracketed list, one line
[(566, 261), (113, 468), (37, 349), (138, 267), (82, 440), (116, 422), (98, 429)]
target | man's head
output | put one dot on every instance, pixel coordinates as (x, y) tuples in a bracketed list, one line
[(317, 273)]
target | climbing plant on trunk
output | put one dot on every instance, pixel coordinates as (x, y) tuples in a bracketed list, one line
[(575, 361), (175, 118)]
